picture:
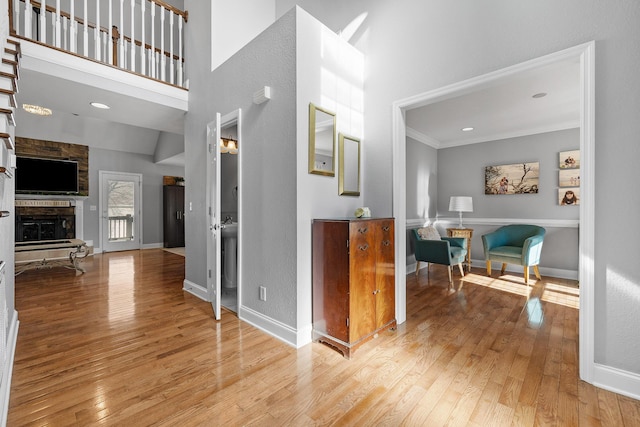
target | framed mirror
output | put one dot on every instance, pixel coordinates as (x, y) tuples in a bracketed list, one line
[(322, 141), (349, 169)]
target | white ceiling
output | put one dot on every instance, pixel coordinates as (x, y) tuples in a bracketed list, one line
[(506, 109)]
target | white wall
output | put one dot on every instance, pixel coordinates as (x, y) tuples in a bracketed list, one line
[(413, 46), (235, 23), (330, 74)]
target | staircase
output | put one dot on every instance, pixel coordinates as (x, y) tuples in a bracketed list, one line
[(9, 75)]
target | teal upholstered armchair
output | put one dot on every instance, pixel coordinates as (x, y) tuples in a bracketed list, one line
[(519, 244), (447, 251)]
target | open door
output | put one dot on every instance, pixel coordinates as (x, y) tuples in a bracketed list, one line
[(213, 203)]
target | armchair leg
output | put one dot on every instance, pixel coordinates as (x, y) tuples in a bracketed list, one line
[(489, 268), (417, 267), (461, 269), (537, 272), (450, 279), (504, 267), (526, 275)]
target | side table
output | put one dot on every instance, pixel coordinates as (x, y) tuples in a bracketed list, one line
[(466, 233)]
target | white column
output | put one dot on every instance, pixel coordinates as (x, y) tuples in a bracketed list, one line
[(153, 40), (133, 36), (171, 65), (109, 53), (43, 21), (163, 58), (72, 27), (57, 26), (27, 18), (143, 48), (85, 32), (180, 21), (121, 40), (96, 32)]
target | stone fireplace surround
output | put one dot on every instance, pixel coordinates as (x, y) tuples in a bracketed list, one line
[(48, 218)]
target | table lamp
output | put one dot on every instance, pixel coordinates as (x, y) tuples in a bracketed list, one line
[(461, 204)]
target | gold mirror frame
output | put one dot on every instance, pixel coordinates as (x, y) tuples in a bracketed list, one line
[(321, 122), (349, 169)]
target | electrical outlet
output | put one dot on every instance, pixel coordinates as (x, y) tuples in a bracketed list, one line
[(263, 293)]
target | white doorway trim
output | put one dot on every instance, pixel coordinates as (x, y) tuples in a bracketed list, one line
[(136, 243), (585, 54)]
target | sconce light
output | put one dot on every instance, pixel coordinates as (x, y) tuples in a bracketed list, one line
[(228, 145), (461, 204)]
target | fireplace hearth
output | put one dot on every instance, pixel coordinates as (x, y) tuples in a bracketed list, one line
[(44, 221)]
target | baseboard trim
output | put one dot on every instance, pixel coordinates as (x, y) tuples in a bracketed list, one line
[(7, 369), (152, 246), (617, 381), (544, 271), (285, 333), (195, 289)]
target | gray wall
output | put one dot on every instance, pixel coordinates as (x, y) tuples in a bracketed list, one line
[(152, 173), (268, 160), (443, 42), (422, 180)]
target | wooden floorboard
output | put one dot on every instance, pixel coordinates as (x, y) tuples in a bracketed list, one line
[(124, 345)]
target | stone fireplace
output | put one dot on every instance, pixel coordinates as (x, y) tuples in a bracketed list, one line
[(45, 220)]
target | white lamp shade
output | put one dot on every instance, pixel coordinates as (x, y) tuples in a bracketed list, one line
[(461, 204)]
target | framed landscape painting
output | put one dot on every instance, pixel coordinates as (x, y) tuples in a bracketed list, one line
[(569, 159), (517, 178)]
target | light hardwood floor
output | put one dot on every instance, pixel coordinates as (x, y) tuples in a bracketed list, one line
[(123, 345)]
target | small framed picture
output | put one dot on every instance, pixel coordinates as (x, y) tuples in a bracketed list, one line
[(569, 177), (569, 159), (569, 196)]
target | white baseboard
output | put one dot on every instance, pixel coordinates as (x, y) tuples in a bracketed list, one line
[(275, 328), (195, 289), (617, 381), (153, 246), (544, 271), (7, 369)]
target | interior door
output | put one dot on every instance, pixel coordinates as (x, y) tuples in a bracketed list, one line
[(214, 245), (120, 211)]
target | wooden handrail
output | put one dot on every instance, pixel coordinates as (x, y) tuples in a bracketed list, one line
[(105, 30)]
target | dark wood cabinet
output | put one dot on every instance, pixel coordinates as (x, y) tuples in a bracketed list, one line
[(173, 216), (353, 281)]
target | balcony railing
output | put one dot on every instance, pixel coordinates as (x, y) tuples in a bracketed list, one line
[(120, 228), (142, 36)]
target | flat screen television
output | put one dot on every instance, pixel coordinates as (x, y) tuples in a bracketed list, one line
[(49, 176)]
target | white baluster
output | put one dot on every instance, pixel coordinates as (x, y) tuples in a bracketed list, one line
[(143, 48), (121, 40), (16, 14), (107, 45), (133, 37), (96, 34), (180, 21), (153, 40), (171, 78), (125, 57), (57, 26), (162, 56), (85, 32), (72, 27), (65, 32), (28, 26), (43, 21), (109, 51)]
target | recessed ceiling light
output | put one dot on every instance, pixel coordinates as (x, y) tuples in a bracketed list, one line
[(100, 105), (468, 129), (36, 109), (540, 95)]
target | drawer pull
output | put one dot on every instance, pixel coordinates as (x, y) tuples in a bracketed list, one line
[(386, 242), (362, 230), (386, 228), (363, 247)]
